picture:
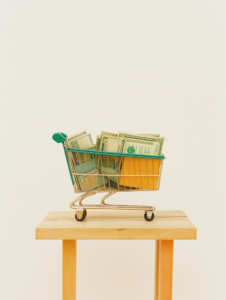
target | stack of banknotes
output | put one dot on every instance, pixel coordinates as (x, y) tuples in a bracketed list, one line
[(146, 144)]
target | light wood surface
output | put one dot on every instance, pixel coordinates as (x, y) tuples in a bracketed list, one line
[(164, 270), (69, 269), (116, 225)]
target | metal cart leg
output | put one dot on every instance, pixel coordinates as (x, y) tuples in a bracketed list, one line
[(69, 269), (163, 269), (81, 209)]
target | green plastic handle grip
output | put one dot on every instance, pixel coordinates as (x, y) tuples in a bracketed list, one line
[(59, 137)]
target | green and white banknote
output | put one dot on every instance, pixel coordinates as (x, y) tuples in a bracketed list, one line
[(98, 142), (81, 140), (108, 166), (147, 134), (111, 143), (123, 142), (90, 182), (138, 144), (93, 147), (99, 137), (108, 133), (80, 158)]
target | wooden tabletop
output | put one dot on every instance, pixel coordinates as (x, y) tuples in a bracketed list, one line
[(116, 225)]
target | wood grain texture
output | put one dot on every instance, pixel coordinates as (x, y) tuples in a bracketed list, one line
[(164, 270), (156, 270), (69, 270), (116, 225)]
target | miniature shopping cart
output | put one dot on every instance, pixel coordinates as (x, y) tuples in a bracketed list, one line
[(95, 171)]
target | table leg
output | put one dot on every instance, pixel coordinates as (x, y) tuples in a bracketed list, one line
[(163, 270), (69, 270)]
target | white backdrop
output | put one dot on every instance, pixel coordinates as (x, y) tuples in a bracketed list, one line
[(134, 66)]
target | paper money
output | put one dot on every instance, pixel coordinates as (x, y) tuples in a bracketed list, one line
[(80, 158), (111, 143), (98, 142), (108, 133), (76, 135), (137, 144), (149, 134), (109, 166), (80, 141), (90, 182), (142, 134), (116, 187), (93, 147)]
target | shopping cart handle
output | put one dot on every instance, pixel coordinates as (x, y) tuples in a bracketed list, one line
[(59, 137)]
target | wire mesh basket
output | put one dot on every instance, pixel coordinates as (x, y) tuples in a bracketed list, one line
[(93, 171)]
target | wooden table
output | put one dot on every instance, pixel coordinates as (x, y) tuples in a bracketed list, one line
[(118, 225)]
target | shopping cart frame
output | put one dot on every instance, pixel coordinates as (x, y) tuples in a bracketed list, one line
[(80, 208)]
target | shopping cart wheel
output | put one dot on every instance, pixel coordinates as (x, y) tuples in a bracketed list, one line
[(149, 216), (80, 215)]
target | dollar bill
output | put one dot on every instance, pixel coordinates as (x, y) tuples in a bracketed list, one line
[(142, 134), (149, 134), (137, 144), (111, 143), (76, 135), (105, 133), (108, 133), (80, 141), (93, 147), (80, 158), (109, 167), (90, 182), (116, 187), (98, 142)]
